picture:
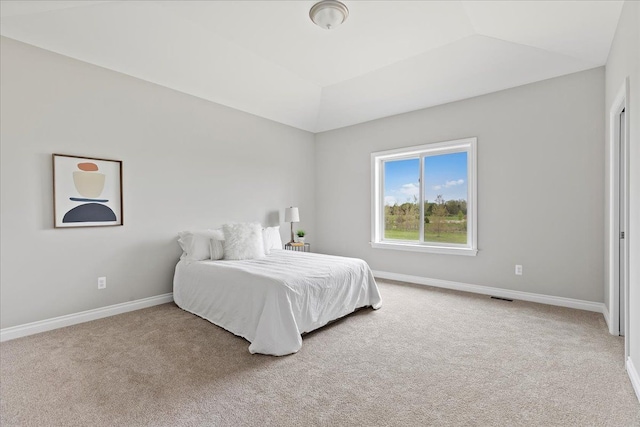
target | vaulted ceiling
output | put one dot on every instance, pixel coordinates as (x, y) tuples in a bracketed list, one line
[(267, 57)]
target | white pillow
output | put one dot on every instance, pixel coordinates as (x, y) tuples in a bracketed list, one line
[(216, 246), (196, 244), (243, 241), (272, 240)]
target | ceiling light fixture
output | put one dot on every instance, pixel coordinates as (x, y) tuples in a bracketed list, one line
[(328, 14)]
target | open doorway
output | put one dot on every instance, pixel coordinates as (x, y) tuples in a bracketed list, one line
[(622, 220), (619, 216)]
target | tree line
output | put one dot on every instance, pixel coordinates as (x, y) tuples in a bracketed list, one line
[(439, 214)]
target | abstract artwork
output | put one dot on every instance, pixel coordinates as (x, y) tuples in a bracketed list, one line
[(87, 192)]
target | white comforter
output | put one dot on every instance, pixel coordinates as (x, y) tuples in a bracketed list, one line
[(272, 300)]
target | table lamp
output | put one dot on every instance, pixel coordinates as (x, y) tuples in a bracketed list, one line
[(291, 215)]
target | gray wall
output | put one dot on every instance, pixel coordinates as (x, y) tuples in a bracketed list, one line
[(624, 61), (540, 187), (188, 163)]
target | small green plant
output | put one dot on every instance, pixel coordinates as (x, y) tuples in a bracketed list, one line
[(300, 233)]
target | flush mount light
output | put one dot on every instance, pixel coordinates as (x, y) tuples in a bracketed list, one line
[(328, 14)]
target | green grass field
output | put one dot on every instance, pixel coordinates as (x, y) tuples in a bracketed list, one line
[(429, 237)]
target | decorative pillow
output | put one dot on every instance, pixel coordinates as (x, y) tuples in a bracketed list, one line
[(272, 240), (196, 244), (243, 241), (216, 246)]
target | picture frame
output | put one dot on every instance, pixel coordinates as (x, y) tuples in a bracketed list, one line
[(87, 192)]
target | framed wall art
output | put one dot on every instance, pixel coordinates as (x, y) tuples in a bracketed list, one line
[(87, 192)]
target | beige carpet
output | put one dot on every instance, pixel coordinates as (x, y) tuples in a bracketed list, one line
[(428, 357)]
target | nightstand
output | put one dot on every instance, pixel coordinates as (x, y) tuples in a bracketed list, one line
[(305, 247)]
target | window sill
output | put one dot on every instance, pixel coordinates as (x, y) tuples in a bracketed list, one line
[(424, 248)]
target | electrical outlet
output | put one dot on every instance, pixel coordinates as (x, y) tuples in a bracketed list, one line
[(102, 282), (518, 270)]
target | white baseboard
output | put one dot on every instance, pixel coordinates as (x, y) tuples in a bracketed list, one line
[(19, 331), (598, 307), (633, 376)]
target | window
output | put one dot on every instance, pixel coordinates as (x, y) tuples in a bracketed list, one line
[(424, 198)]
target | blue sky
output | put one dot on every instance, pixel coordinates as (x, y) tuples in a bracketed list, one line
[(445, 174)]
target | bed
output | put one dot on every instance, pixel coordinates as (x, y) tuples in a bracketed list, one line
[(271, 301)]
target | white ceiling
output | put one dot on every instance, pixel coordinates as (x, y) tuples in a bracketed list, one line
[(267, 57)]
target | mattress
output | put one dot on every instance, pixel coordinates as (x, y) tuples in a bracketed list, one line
[(271, 301)]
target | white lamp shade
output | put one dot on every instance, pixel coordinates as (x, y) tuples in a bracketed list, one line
[(291, 215)]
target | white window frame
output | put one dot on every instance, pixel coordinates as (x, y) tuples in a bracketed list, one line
[(468, 145)]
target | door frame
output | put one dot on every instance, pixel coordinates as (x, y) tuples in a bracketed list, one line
[(621, 103)]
